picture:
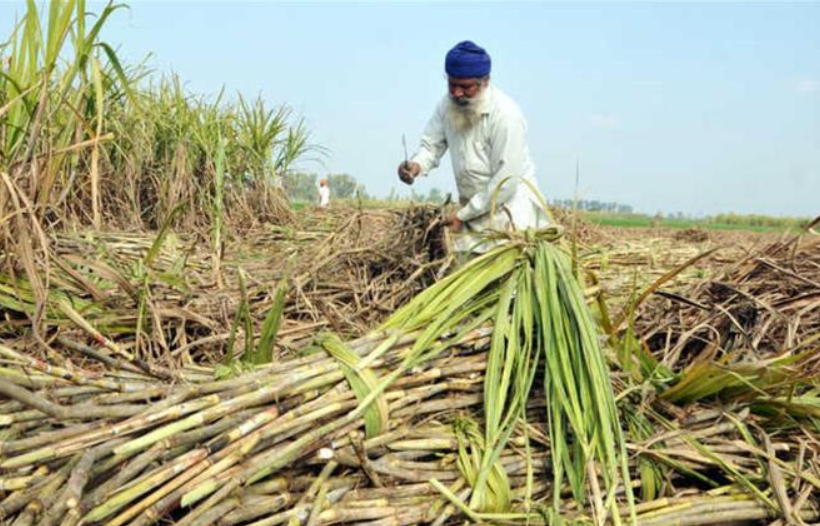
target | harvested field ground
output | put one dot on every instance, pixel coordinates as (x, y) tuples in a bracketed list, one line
[(344, 270), (142, 400), (630, 259), (347, 269)]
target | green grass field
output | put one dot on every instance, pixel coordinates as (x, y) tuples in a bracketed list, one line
[(733, 222)]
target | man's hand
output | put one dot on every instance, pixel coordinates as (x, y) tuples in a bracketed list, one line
[(455, 223), (408, 171)]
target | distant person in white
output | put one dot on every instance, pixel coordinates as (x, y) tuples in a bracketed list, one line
[(486, 134), (324, 193)]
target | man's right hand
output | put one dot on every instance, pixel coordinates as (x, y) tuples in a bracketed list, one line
[(408, 171)]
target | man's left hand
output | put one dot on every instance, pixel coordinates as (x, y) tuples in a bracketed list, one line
[(455, 223)]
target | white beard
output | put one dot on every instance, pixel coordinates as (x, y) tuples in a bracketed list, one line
[(464, 118)]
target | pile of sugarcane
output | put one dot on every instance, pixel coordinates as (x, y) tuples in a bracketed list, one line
[(124, 446), (691, 235), (374, 262), (280, 444), (487, 397)]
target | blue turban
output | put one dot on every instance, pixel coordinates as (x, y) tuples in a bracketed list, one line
[(467, 61)]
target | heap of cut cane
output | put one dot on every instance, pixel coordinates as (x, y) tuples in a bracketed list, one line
[(543, 335)]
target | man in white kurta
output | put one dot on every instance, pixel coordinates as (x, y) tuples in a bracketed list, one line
[(485, 133), (324, 193)]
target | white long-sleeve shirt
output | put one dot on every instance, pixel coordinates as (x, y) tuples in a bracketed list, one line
[(324, 196), (482, 156)]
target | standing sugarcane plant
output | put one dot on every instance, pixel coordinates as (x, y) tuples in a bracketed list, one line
[(88, 139), (262, 137), (217, 211), (49, 71)]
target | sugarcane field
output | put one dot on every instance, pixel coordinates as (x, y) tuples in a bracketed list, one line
[(211, 314)]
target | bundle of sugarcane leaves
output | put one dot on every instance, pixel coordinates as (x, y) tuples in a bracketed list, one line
[(486, 397)]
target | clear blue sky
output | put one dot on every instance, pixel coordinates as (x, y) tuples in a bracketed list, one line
[(701, 108)]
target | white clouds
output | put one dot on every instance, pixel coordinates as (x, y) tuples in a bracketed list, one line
[(807, 86), (603, 120)]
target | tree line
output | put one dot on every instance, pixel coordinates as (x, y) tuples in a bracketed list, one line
[(304, 188), (593, 205)]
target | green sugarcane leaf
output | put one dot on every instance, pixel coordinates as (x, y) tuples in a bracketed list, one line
[(362, 382), (270, 327)]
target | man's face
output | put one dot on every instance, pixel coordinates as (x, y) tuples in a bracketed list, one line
[(462, 90)]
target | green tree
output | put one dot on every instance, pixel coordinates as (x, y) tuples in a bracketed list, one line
[(345, 186)]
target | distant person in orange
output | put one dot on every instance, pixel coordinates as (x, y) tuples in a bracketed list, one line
[(324, 194)]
